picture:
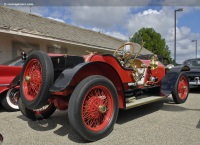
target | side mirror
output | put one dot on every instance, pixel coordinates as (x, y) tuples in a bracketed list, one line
[(23, 55)]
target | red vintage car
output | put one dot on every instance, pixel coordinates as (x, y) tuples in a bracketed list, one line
[(95, 86), (8, 71)]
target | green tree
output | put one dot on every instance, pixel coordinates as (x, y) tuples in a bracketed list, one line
[(152, 41)]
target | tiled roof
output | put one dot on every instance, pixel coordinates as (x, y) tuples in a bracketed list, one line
[(18, 21)]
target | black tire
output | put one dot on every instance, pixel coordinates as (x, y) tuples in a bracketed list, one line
[(181, 86), (77, 100), (36, 114), (43, 61), (9, 100)]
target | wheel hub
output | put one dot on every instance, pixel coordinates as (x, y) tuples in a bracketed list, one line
[(102, 109), (96, 108), (27, 78), (13, 96)]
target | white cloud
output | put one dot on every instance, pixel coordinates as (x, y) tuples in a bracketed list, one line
[(185, 48), (149, 12), (101, 17), (182, 33), (111, 33), (56, 19), (161, 21), (117, 35)]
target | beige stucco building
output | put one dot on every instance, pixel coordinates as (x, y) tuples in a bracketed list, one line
[(21, 31)]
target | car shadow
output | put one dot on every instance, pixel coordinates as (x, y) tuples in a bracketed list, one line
[(59, 118), (165, 105), (195, 90), (134, 113), (1, 108), (176, 108)]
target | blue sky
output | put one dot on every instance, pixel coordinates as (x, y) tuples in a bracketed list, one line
[(191, 20), (123, 21)]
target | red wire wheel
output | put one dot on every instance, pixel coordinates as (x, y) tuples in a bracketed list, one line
[(181, 89), (93, 107), (97, 108), (33, 79), (36, 79)]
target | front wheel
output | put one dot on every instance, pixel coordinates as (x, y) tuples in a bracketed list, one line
[(37, 114), (36, 79), (181, 89), (93, 108)]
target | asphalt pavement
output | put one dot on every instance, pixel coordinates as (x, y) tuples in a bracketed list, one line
[(159, 123)]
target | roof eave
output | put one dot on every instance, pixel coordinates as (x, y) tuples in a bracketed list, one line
[(54, 39)]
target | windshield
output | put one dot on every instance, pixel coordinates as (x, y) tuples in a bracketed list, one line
[(192, 63)]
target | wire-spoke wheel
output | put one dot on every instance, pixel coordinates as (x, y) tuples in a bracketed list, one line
[(97, 108), (93, 108), (33, 79), (36, 79), (9, 100), (181, 89)]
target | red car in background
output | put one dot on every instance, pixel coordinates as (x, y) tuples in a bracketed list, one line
[(8, 71)]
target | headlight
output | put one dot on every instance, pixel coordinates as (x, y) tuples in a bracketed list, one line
[(169, 66), (153, 61)]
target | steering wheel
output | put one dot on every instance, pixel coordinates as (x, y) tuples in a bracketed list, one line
[(124, 53)]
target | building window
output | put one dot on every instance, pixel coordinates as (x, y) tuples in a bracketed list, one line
[(18, 47), (57, 49)]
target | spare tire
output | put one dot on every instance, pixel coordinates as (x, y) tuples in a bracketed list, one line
[(36, 79)]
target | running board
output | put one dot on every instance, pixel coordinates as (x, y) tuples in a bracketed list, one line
[(143, 101)]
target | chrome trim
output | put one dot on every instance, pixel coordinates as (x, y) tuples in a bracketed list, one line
[(194, 83), (4, 85)]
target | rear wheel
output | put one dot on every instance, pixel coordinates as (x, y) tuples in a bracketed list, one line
[(9, 100), (37, 114), (36, 79), (181, 89), (93, 108)]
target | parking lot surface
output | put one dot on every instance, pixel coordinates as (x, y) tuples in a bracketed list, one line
[(160, 123)]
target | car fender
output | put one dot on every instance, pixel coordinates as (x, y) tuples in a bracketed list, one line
[(83, 70), (65, 78), (168, 82), (15, 82), (3, 89)]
